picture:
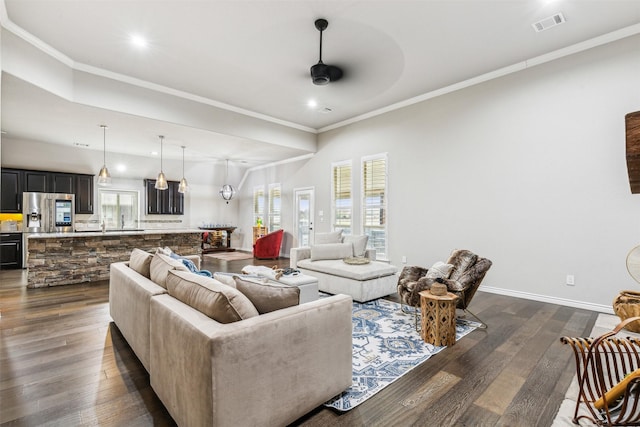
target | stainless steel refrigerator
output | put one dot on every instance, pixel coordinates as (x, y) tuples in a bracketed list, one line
[(46, 213)]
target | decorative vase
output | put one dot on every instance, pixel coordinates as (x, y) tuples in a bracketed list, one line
[(627, 304)]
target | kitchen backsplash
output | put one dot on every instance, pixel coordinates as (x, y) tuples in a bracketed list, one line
[(146, 224), (10, 222)]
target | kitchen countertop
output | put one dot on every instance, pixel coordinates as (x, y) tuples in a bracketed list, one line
[(111, 233)]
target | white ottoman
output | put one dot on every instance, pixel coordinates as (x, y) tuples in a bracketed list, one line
[(308, 285)]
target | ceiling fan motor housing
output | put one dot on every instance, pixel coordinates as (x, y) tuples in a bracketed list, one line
[(320, 74)]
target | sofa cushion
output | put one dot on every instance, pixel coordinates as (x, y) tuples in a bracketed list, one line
[(140, 262), (220, 302), (267, 297), (161, 265), (439, 270), (359, 244), (332, 237), (331, 251), (337, 267)]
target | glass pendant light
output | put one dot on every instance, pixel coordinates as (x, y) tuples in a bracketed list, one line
[(227, 191), (161, 181), (104, 177), (183, 186)]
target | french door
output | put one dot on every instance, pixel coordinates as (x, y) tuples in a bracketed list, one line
[(303, 215)]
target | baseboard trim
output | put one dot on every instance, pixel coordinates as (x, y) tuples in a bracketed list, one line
[(552, 300)]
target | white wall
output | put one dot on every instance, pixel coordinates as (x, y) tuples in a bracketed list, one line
[(528, 170)]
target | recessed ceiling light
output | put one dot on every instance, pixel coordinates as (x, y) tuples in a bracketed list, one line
[(80, 144), (312, 103), (154, 153), (120, 167), (139, 41)]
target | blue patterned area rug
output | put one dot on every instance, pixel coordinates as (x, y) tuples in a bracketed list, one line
[(385, 347)]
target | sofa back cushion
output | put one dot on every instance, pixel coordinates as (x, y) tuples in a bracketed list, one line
[(267, 297), (140, 262), (359, 244), (332, 237), (161, 265), (220, 302), (331, 251)]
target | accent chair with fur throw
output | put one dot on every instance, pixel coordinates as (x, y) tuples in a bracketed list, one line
[(462, 273)]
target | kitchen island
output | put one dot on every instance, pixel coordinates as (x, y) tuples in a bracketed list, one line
[(56, 259)]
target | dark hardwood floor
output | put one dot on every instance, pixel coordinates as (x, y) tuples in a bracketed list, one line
[(63, 362)]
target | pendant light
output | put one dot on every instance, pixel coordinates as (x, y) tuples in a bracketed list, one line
[(227, 191), (104, 177), (161, 181), (183, 186)]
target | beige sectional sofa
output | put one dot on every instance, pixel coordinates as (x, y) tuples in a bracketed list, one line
[(326, 261), (245, 368)]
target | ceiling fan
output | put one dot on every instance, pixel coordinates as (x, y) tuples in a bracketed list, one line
[(321, 73)]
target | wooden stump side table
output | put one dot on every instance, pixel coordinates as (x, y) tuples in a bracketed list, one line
[(438, 318)]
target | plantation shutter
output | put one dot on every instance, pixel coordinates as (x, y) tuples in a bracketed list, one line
[(342, 203), (275, 201), (258, 204), (374, 188)]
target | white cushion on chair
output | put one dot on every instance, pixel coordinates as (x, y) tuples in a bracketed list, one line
[(439, 270)]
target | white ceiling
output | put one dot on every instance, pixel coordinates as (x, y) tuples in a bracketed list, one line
[(255, 56)]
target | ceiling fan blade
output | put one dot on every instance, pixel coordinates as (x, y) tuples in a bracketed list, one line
[(335, 73)]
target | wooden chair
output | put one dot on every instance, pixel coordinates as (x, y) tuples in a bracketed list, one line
[(608, 374)]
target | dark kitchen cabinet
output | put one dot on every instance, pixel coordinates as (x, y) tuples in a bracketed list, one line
[(36, 181), (62, 183), (10, 250), (11, 197), (164, 202), (84, 194), (17, 181)]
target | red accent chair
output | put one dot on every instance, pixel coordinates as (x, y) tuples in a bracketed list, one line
[(268, 246)]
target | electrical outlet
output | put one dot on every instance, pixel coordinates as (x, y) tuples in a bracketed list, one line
[(571, 281), (404, 259)]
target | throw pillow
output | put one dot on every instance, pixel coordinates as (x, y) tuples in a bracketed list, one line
[(332, 237), (220, 302), (359, 244), (331, 251), (140, 262), (439, 270), (160, 267), (267, 297)]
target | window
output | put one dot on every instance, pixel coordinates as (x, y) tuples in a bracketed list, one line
[(118, 208), (275, 220), (341, 196), (374, 203), (258, 204)]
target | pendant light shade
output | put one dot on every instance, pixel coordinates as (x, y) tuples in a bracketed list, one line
[(183, 187), (227, 191), (161, 181), (104, 177)]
